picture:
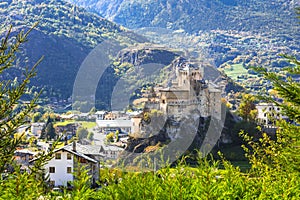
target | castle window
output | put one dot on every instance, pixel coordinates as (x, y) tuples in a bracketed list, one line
[(163, 101)]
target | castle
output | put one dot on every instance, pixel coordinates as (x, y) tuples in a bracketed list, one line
[(188, 92)]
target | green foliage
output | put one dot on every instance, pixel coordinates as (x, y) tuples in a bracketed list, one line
[(283, 153), (50, 131), (187, 15), (247, 109), (81, 133), (81, 186), (248, 127), (14, 182), (287, 88), (117, 135), (92, 111), (206, 181), (66, 34), (90, 136), (12, 118), (110, 137)]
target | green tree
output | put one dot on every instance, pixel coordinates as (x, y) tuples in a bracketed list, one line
[(93, 110), (81, 133), (283, 153), (19, 184), (50, 131), (110, 137), (90, 136), (117, 135), (247, 109), (49, 116), (11, 118)]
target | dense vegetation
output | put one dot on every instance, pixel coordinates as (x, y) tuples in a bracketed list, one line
[(192, 16), (231, 35), (66, 34)]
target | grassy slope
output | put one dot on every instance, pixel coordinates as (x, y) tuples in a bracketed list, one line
[(235, 70)]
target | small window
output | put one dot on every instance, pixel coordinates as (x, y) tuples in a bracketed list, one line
[(69, 156), (51, 169), (58, 156), (69, 170)]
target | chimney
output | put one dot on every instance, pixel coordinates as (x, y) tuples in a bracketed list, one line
[(74, 146), (66, 141)]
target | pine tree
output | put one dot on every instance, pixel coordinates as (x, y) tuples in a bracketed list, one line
[(10, 117), (50, 131), (13, 114), (285, 151)]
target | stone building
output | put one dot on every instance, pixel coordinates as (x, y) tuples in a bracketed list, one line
[(188, 92)]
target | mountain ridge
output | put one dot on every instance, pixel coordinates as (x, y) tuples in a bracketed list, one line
[(196, 15)]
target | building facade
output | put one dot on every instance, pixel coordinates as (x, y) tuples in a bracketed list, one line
[(188, 92), (61, 167), (268, 113)]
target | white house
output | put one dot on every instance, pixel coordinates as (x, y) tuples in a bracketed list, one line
[(268, 112), (61, 167), (100, 115), (36, 128), (110, 152)]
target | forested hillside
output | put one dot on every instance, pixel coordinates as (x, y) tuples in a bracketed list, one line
[(65, 35), (232, 35), (195, 15)]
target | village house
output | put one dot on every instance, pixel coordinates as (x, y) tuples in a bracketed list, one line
[(69, 129), (61, 167), (36, 128), (23, 156), (110, 152), (113, 121), (268, 113)]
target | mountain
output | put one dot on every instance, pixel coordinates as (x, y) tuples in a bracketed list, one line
[(196, 15), (231, 34), (65, 35)]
